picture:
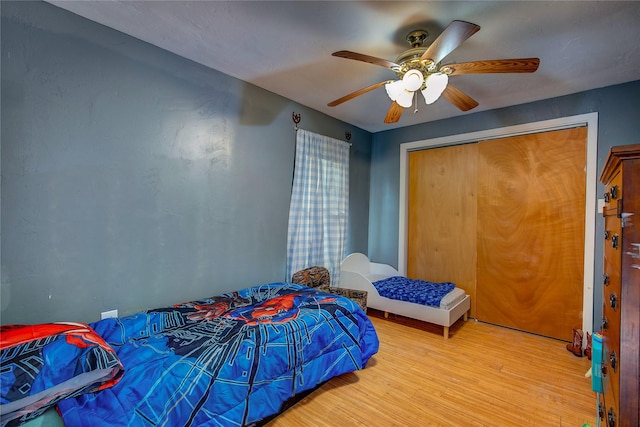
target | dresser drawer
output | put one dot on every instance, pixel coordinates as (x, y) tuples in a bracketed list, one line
[(612, 249), (612, 194), (610, 374)]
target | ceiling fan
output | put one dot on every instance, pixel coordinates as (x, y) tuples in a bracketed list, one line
[(419, 69)]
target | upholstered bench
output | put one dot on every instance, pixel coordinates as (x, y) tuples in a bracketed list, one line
[(360, 297), (318, 277)]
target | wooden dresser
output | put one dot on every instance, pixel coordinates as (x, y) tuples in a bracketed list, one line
[(618, 405)]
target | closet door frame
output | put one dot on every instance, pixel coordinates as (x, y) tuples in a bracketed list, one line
[(590, 120)]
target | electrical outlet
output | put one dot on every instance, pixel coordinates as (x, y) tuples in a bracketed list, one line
[(600, 205), (108, 314)]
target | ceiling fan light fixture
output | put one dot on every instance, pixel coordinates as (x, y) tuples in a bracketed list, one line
[(435, 85), (412, 80), (401, 91)]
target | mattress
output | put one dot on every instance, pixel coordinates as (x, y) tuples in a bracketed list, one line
[(447, 302), (452, 298), (229, 360)]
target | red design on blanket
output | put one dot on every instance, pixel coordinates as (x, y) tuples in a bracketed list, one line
[(11, 335), (279, 309)]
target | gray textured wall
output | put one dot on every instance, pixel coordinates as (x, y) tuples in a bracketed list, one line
[(133, 178), (618, 124)]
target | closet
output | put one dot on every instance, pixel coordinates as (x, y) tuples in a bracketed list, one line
[(504, 219)]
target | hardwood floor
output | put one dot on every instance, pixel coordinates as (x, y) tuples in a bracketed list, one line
[(484, 375)]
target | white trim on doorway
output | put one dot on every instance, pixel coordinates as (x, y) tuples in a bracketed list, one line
[(590, 120)]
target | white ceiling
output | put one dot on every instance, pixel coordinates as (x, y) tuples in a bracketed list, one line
[(285, 46)]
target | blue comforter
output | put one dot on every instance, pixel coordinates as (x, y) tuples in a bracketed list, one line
[(413, 290), (229, 360)]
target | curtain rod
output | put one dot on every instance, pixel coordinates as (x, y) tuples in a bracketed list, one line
[(296, 117)]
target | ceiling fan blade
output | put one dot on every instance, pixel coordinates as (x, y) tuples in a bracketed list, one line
[(521, 65), (452, 37), (357, 93), (458, 98), (365, 58), (394, 113)]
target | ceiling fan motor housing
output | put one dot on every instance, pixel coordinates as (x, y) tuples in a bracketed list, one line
[(410, 59), (416, 38)]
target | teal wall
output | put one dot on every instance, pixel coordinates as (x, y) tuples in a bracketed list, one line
[(618, 124), (133, 178)]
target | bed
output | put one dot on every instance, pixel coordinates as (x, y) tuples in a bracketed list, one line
[(231, 360), (357, 272)]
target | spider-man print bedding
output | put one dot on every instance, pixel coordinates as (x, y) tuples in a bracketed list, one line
[(230, 360), (43, 364)]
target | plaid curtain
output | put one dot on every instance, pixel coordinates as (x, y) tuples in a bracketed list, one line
[(319, 204)]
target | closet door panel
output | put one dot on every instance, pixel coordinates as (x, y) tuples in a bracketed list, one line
[(442, 216), (531, 192)]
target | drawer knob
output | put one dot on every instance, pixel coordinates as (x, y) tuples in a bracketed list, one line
[(605, 279), (613, 360), (611, 418), (613, 301), (605, 323), (614, 241), (614, 192), (607, 234)]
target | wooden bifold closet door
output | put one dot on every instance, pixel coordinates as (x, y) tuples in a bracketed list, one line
[(442, 216), (505, 222), (531, 193)]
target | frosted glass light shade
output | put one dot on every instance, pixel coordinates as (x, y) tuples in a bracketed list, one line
[(405, 98), (402, 91), (436, 84), (397, 92), (412, 80), (394, 89)]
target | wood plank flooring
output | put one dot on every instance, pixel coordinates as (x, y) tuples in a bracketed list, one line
[(484, 375)]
